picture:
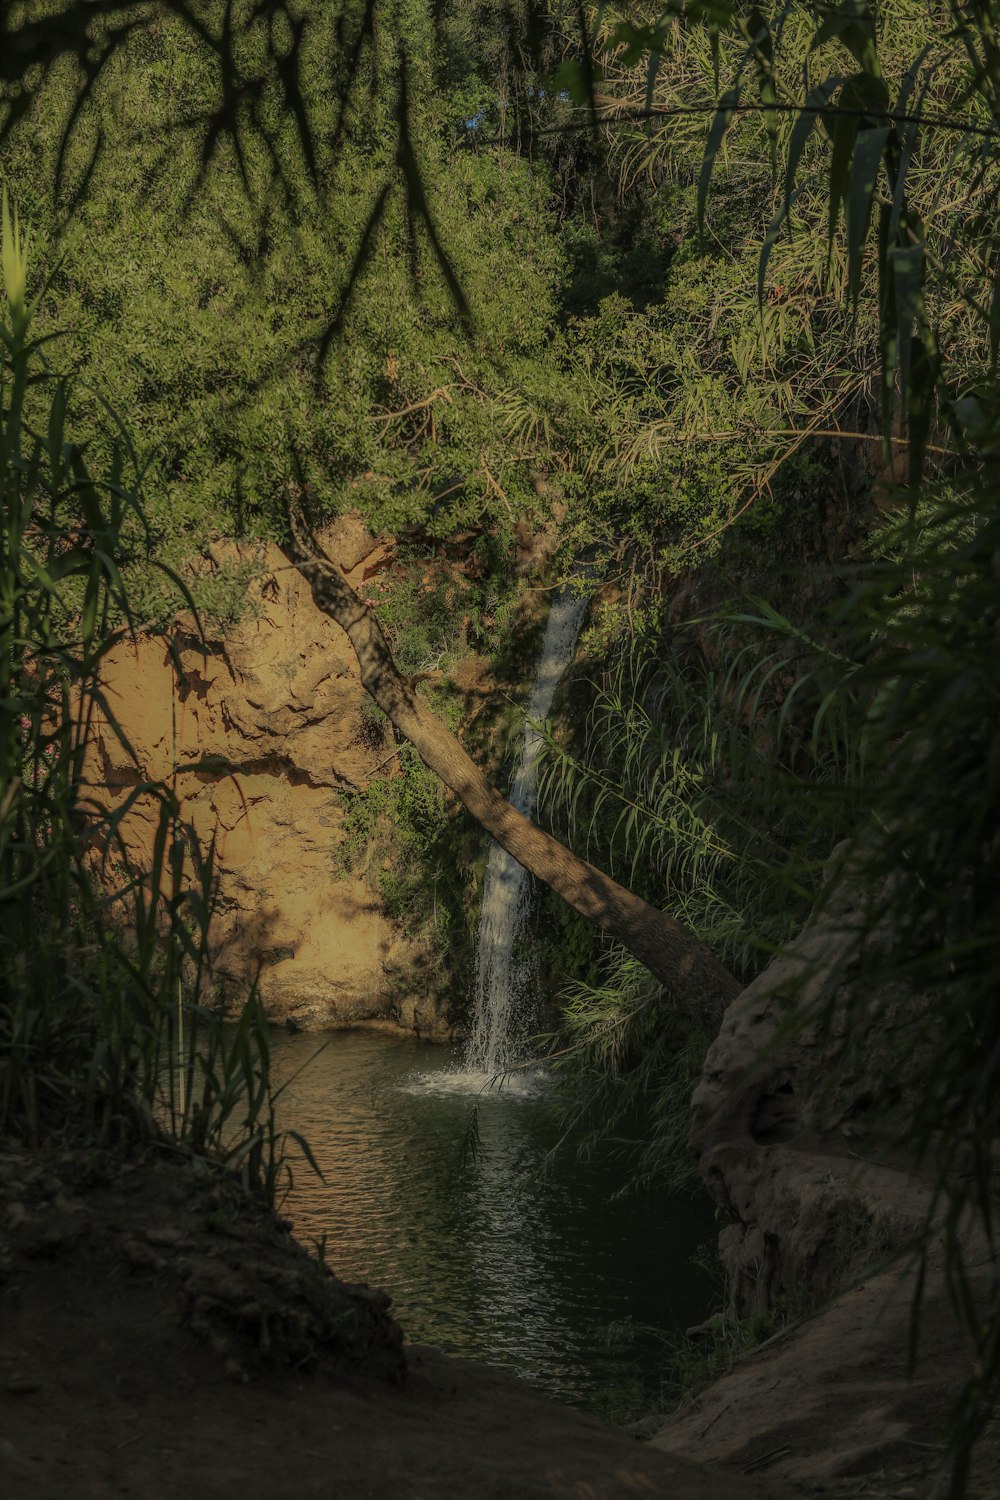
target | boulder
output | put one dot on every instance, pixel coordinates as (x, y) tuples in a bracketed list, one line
[(790, 1142), (803, 1153)]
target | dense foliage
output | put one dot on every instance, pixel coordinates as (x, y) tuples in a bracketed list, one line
[(709, 292), (102, 966), (199, 315), (883, 126)]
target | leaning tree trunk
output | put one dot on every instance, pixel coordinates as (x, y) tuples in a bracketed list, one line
[(694, 979)]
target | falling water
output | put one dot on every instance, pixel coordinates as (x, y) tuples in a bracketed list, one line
[(503, 974)]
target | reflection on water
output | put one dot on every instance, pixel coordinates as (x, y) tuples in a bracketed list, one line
[(483, 1255)]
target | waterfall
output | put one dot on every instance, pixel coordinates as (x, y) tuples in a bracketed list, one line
[(501, 1016)]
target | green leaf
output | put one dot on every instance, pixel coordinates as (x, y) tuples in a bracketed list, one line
[(853, 25), (845, 129), (761, 49), (307, 1152), (888, 324), (921, 403), (57, 434), (85, 491), (855, 94), (721, 122), (908, 264), (801, 132), (655, 58), (571, 78), (868, 151)]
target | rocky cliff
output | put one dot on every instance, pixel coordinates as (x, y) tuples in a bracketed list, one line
[(796, 1145), (801, 1154), (258, 732)]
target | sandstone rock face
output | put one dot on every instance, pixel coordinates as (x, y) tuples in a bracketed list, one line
[(258, 733)]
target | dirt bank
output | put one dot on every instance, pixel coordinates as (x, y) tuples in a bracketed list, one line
[(159, 1337), (833, 1405)]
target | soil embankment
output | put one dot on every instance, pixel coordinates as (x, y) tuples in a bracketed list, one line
[(162, 1335), (833, 1401)]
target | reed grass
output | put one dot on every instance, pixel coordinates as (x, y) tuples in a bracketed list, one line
[(105, 968)]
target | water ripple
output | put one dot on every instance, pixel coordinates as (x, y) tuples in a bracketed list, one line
[(488, 1252)]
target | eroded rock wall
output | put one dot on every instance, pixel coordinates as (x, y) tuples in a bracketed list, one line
[(795, 1146), (258, 732), (797, 1140)]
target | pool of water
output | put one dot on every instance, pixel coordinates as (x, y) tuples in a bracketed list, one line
[(487, 1251)]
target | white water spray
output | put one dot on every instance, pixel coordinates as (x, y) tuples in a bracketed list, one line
[(501, 1012)]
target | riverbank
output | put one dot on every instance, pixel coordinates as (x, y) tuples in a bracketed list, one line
[(163, 1335)]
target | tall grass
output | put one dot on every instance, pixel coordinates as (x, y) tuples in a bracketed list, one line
[(684, 779), (714, 774), (103, 967)]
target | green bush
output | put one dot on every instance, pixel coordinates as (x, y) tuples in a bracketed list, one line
[(103, 967)]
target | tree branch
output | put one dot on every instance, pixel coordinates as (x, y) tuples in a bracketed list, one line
[(694, 979)]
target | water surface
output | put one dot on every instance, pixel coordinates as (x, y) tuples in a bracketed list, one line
[(485, 1254)]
